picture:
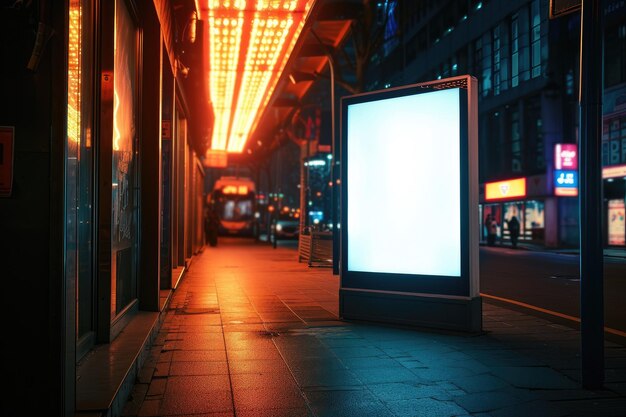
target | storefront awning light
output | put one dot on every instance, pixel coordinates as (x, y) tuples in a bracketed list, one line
[(249, 44)]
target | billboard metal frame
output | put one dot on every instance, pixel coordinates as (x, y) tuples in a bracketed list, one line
[(446, 302)]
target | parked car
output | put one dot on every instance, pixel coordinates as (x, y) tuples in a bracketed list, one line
[(285, 226)]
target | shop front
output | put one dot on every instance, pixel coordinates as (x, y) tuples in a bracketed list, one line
[(614, 188), (522, 198), (614, 164)]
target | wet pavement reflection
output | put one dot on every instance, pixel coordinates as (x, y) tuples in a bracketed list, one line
[(252, 332)]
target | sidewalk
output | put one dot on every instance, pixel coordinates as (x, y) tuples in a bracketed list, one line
[(252, 332)]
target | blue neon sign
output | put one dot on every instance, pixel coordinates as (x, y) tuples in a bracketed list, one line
[(565, 179)]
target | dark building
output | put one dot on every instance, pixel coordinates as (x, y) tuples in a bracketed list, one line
[(527, 68), (100, 184)]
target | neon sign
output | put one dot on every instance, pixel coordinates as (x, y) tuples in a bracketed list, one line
[(502, 190), (566, 183), (565, 156), (250, 42)]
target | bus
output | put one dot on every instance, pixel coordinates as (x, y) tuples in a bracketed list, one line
[(234, 200)]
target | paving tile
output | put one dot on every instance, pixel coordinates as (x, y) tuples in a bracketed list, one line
[(425, 407), (198, 368), (536, 408), (486, 401), (201, 402), (253, 354), (258, 366), (346, 404), (296, 363), (442, 373), (268, 398), (614, 407), (276, 412), (534, 378), (220, 414), (321, 377), (404, 391), (357, 352), (369, 363), (157, 387), (261, 380), (191, 385), (150, 408), (161, 369), (395, 373), (480, 383), (198, 355)]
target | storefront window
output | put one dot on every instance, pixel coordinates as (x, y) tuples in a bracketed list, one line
[(495, 212), (616, 223), (79, 165), (534, 220), (124, 179), (513, 209)]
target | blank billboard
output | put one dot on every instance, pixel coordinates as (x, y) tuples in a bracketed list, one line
[(403, 184)]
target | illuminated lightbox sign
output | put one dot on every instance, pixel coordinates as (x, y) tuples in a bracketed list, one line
[(502, 190), (614, 171), (406, 189), (565, 156), (566, 183), (617, 222)]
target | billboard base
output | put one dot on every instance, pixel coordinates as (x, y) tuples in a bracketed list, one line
[(457, 314)]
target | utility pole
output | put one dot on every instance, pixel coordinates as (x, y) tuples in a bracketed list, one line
[(590, 198)]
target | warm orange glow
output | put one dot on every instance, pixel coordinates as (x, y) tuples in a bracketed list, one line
[(116, 130), (74, 73), (502, 190), (235, 189), (249, 44)]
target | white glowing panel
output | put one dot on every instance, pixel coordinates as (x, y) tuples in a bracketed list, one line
[(404, 185)]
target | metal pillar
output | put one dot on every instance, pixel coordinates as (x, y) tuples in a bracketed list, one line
[(591, 244), (334, 171)]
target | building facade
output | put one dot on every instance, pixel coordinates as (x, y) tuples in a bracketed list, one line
[(102, 192), (527, 67)]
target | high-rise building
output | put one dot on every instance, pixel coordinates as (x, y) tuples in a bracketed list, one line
[(527, 66)]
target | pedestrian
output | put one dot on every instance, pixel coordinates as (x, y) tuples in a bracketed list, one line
[(492, 231), (513, 225)]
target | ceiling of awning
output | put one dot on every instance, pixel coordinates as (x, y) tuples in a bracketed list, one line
[(327, 27)]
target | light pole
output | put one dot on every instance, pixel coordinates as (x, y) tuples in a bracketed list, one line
[(336, 153), (590, 198)]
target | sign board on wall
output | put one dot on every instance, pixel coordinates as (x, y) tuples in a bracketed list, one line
[(404, 259), (614, 171), (7, 142), (216, 159), (566, 183), (617, 222), (566, 156), (504, 190)]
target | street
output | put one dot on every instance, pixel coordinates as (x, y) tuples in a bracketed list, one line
[(550, 281), (546, 280)]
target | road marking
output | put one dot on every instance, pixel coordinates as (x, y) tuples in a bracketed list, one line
[(546, 311)]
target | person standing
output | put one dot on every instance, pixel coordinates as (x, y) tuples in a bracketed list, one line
[(514, 227), (492, 230)]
